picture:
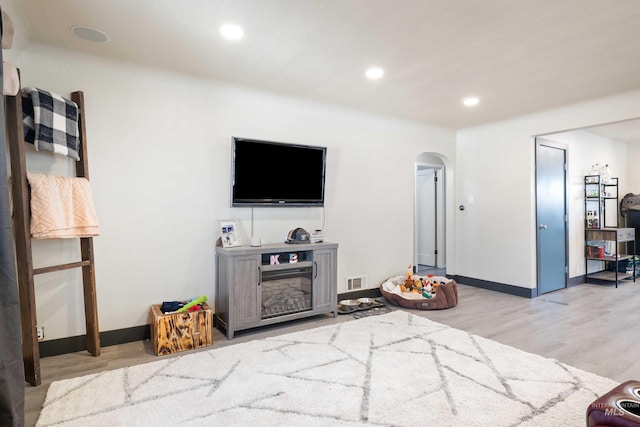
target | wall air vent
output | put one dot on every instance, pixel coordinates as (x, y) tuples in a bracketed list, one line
[(356, 282)]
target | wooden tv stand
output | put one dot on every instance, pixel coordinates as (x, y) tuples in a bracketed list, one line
[(252, 290)]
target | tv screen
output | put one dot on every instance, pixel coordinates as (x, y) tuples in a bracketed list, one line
[(276, 174)]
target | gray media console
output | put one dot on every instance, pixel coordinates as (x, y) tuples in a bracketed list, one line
[(272, 283)]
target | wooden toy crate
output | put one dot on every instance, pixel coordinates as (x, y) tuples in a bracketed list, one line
[(171, 333)]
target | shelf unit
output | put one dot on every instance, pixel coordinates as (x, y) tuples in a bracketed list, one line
[(619, 236), (604, 241), (600, 197)]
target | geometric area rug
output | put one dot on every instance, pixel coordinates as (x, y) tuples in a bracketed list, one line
[(394, 369)]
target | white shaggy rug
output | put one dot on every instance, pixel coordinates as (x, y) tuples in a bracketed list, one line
[(395, 369)]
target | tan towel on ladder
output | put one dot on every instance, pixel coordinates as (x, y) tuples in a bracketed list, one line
[(61, 207)]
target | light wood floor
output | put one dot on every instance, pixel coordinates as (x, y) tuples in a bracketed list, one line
[(591, 327)]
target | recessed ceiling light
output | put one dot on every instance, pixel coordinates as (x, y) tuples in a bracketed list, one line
[(90, 34), (375, 73), (231, 32), (470, 101)]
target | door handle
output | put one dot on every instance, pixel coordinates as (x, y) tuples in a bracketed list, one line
[(543, 226)]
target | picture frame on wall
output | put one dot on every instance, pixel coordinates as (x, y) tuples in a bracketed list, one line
[(230, 236)]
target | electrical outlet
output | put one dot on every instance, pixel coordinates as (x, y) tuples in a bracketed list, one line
[(40, 331)]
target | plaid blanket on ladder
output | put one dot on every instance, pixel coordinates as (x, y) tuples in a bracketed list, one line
[(50, 122)]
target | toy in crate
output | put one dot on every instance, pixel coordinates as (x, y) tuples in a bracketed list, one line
[(184, 328)]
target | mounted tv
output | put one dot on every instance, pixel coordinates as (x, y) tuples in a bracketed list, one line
[(269, 173)]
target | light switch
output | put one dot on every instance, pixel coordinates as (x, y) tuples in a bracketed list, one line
[(472, 200)]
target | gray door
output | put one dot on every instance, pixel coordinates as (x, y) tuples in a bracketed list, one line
[(551, 214)]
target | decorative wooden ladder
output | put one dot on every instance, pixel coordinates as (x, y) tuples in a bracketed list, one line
[(26, 272)]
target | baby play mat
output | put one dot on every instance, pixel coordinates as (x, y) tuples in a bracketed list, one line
[(428, 292)]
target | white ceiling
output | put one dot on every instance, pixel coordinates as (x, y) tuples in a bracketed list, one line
[(518, 56), (628, 131)]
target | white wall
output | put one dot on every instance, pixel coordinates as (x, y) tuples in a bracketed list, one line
[(495, 237), (633, 169), (159, 154)]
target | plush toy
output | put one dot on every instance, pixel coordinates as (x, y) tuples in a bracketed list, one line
[(412, 286), (192, 303)]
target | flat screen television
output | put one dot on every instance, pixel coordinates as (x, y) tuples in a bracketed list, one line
[(266, 173)]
